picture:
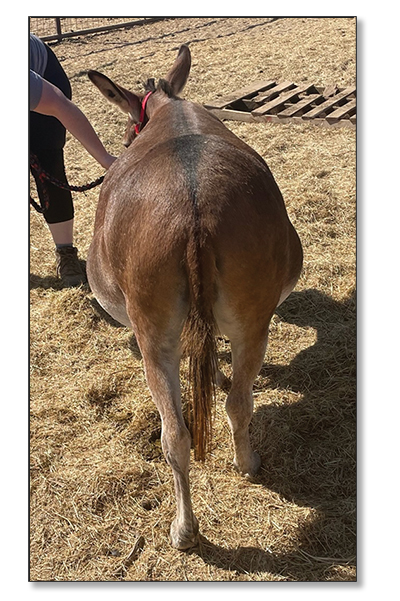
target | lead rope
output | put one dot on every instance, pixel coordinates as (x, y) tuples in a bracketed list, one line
[(43, 176)]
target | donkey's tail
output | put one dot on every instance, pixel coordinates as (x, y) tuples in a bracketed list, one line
[(198, 340)]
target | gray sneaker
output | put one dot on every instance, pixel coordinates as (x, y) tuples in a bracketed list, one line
[(68, 267)]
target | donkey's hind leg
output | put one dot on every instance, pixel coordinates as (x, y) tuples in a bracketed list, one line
[(161, 363), (247, 359)]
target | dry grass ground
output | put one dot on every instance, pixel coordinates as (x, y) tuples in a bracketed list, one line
[(99, 481)]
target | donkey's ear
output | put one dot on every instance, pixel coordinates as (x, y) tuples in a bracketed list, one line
[(124, 99), (179, 73)]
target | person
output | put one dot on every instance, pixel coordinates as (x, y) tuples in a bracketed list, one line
[(52, 112)]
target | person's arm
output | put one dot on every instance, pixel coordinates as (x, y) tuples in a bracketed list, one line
[(54, 103)]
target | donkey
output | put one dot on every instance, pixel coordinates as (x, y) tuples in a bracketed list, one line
[(191, 239)]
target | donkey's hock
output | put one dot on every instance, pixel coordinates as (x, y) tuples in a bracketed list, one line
[(191, 239)]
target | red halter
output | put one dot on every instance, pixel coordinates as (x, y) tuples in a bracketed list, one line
[(138, 126)]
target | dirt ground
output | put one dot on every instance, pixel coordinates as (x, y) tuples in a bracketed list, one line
[(99, 482)]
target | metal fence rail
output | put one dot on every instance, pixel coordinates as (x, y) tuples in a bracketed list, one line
[(58, 28)]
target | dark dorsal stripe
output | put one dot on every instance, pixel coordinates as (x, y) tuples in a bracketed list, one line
[(188, 146), (188, 151)]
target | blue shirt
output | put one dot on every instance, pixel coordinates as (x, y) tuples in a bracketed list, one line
[(37, 64), (35, 89)]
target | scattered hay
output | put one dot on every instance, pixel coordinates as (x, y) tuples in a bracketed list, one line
[(102, 495)]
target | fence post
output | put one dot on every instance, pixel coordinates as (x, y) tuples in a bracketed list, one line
[(58, 28)]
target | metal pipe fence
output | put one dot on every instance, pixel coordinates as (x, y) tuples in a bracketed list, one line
[(58, 28)]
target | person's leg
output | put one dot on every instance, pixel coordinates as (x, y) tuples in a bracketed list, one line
[(62, 233), (47, 139), (59, 216)]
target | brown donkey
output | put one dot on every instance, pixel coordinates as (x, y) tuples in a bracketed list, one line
[(191, 238)]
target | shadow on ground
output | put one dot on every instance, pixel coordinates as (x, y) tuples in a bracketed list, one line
[(308, 448)]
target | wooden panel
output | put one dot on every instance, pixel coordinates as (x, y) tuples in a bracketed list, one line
[(268, 101), (298, 106), (265, 108), (255, 87), (328, 103), (231, 115), (281, 87), (347, 108)]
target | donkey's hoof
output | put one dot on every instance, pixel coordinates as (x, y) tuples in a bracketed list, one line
[(255, 466), (250, 469), (182, 538)]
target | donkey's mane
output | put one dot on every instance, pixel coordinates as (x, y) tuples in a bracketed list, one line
[(163, 85)]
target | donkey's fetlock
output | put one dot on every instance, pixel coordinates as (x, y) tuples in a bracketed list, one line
[(183, 538)]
